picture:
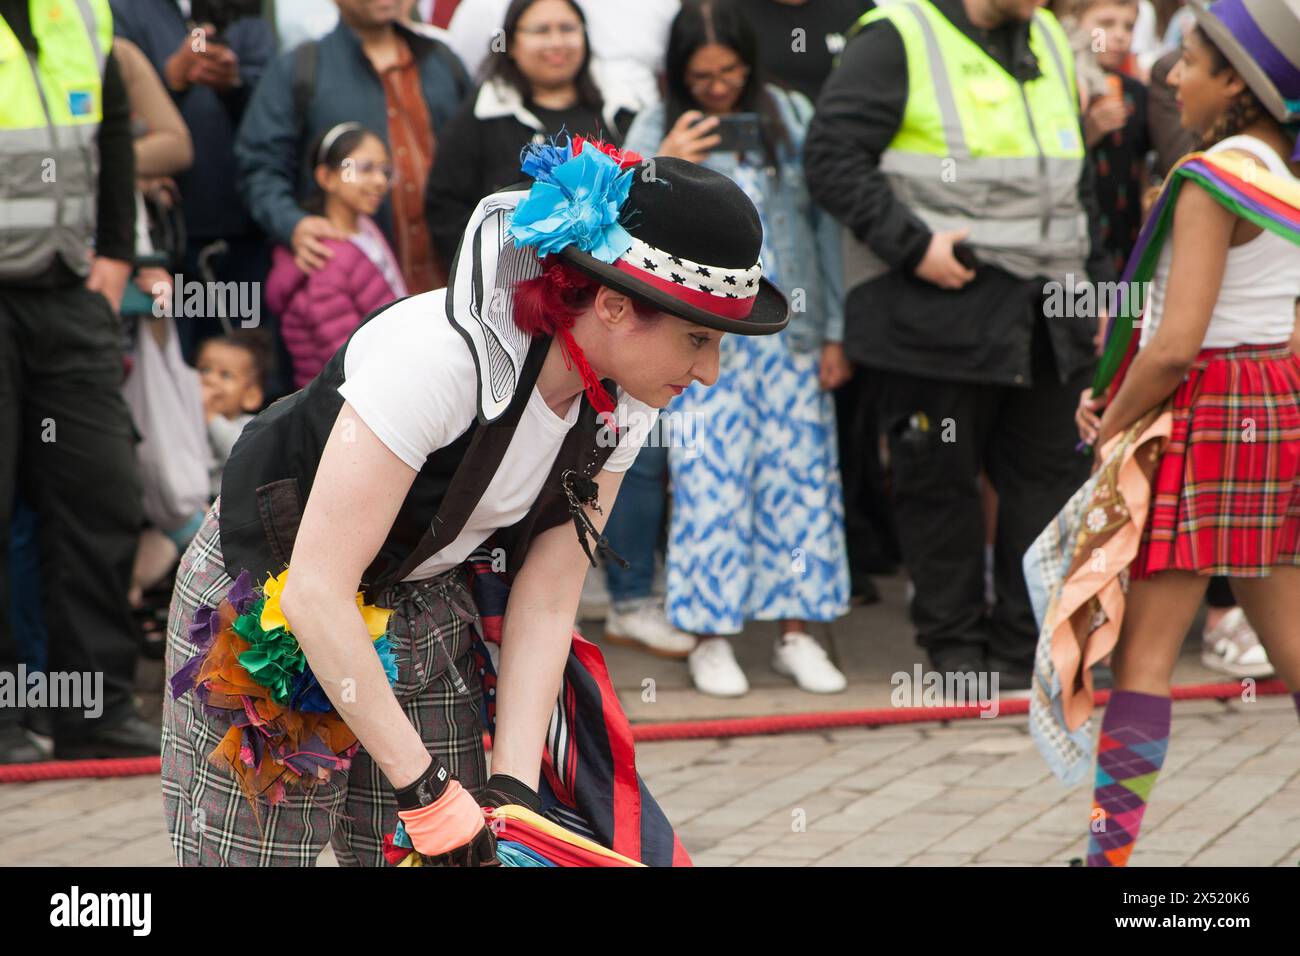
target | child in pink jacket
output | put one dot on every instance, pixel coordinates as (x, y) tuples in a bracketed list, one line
[(318, 310)]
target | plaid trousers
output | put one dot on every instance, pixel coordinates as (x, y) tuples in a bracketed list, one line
[(210, 821)]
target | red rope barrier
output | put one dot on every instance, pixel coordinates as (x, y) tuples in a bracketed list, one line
[(78, 769), (675, 730), (799, 723)]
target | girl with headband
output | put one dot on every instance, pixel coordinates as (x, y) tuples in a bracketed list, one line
[(318, 310)]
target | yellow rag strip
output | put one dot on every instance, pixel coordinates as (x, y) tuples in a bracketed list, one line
[(524, 815), (1257, 175)]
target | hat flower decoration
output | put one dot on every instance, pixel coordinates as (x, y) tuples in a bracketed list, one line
[(577, 198), (672, 234)]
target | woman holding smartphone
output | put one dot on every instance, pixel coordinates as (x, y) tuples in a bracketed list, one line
[(758, 517)]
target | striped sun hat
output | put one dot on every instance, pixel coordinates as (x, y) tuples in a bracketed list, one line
[(1261, 39)]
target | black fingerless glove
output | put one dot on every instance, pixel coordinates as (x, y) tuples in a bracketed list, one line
[(502, 789), (481, 851), (427, 788)]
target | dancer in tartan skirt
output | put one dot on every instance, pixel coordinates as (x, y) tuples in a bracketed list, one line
[(320, 639), (1217, 346)]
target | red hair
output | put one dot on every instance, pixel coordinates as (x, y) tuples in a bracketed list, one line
[(554, 299)]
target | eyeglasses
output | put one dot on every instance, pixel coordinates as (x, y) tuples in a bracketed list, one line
[(568, 32), (731, 76), (353, 170)]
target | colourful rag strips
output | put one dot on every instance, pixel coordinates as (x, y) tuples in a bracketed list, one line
[(250, 673), (524, 838)]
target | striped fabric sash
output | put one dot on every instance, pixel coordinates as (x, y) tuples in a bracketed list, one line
[(1237, 183)]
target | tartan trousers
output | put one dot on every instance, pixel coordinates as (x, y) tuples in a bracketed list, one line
[(209, 820)]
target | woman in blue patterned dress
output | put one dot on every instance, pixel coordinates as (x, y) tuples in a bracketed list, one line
[(757, 529)]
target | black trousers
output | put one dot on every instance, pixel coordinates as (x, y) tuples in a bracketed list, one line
[(868, 521), (941, 435), (67, 441)]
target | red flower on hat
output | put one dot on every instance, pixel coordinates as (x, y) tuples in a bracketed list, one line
[(624, 158)]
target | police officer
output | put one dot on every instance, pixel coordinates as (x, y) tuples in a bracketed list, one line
[(66, 438), (948, 144)]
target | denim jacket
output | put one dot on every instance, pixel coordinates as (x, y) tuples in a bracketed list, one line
[(805, 240)]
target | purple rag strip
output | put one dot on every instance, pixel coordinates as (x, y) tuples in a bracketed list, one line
[(313, 755), (241, 595), (202, 632)]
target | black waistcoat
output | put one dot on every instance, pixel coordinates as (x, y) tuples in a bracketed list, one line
[(268, 479)]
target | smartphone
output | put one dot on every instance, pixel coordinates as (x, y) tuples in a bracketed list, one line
[(738, 132)]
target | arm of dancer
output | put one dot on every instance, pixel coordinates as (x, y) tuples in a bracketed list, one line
[(535, 639), (1201, 235), (336, 541)]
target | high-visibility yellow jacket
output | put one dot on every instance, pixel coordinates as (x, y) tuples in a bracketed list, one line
[(50, 111), (977, 149)]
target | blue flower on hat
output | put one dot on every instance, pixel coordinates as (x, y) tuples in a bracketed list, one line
[(577, 203), (538, 160)]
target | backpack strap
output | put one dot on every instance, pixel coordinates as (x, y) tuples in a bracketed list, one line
[(583, 450), (475, 472), (306, 58)]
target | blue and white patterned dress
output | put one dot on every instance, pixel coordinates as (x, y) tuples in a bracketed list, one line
[(757, 530)]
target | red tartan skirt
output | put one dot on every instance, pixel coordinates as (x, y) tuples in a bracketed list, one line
[(1226, 493)]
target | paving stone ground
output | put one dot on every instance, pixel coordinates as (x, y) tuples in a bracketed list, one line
[(970, 792)]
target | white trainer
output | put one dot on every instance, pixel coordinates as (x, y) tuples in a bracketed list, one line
[(800, 657), (645, 626), (714, 670), (1233, 647)]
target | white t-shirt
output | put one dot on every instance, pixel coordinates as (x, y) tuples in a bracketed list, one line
[(410, 376)]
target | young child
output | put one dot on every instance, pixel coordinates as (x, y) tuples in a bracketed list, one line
[(232, 371), (318, 310), (1115, 124), (1216, 343)]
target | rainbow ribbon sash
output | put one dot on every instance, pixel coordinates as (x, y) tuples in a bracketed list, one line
[(1241, 185)]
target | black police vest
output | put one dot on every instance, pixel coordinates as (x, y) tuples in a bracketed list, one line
[(269, 476)]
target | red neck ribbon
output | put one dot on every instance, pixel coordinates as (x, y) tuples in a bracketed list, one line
[(596, 392)]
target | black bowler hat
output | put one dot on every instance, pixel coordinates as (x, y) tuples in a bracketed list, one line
[(696, 239)]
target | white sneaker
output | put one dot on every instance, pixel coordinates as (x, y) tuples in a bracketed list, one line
[(799, 656), (714, 669), (645, 626), (1232, 647)]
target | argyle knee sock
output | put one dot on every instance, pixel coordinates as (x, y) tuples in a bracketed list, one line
[(1131, 751)]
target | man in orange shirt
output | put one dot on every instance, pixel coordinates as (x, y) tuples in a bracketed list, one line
[(371, 69)]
